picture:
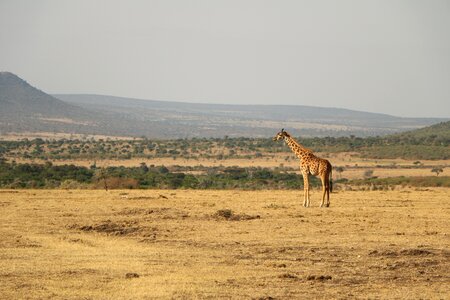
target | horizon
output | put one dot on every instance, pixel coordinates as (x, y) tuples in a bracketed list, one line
[(237, 104), (212, 103), (378, 56)]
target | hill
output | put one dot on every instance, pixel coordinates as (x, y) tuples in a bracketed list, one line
[(437, 133), (24, 108), (432, 142), (17, 96), (217, 120)]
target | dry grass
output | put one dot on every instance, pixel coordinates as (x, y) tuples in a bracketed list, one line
[(185, 244)]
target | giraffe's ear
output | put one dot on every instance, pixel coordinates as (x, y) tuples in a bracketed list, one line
[(282, 129)]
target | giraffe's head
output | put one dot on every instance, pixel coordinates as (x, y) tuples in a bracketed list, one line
[(280, 135)]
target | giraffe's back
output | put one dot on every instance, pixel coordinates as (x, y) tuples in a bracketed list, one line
[(315, 165)]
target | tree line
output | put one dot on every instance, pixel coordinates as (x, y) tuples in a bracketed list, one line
[(398, 146), (13, 175)]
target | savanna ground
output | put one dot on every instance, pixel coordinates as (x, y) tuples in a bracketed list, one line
[(140, 244)]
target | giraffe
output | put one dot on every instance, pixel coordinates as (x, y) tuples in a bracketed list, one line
[(310, 164)]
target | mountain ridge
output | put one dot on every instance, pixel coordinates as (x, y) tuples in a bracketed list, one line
[(315, 116), (16, 94), (24, 108)]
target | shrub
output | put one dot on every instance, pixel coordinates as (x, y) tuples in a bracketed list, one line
[(118, 183), (70, 184)]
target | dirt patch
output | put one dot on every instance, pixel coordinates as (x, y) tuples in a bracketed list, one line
[(150, 235), (288, 276), (135, 211), (404, 252), (229, 215), (416, 252), (17, 241), (27, 244), (157, 212), (112, 228), (319, 277), (387, 253), (78, 241), (82, 271), (132, 275)]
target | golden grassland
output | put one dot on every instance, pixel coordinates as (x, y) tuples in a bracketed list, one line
[(141, 244)]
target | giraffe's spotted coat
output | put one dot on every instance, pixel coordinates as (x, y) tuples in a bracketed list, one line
[(309, 164)]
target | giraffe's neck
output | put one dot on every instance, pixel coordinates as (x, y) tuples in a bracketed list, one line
[(298, 149)]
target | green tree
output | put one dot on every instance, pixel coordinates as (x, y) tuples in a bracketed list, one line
[(437, 170), (144, 167)]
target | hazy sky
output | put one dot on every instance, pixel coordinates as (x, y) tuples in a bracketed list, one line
[(380, 56)]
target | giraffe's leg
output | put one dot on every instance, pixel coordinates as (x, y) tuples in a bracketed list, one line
[(306, 190), (328, 189), (324, 189), (308, 200), (304, 197)]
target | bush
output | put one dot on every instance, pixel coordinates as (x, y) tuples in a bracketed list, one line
[(419, 181), (118, 183), (71, 184)]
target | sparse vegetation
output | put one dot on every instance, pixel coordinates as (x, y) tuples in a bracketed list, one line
[(406, 146), (437, 171), (53, 173), (13, 175), (120, 244)]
